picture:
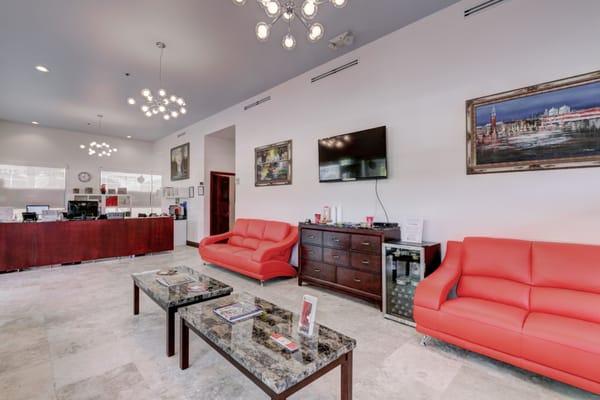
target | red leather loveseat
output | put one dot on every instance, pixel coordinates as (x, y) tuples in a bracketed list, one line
[(255, 248), (531, 304)]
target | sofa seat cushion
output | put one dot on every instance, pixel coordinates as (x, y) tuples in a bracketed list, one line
[(484, 322), (238, 257), (563, 343), (225, 248)]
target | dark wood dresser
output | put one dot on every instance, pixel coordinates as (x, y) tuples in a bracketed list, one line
[(344, 259)]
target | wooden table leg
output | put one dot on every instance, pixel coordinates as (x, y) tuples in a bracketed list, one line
[(184, 345), (171, 331), (136, 299), (347, 377)]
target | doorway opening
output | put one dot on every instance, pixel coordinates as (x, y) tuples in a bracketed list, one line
[(219, 175)]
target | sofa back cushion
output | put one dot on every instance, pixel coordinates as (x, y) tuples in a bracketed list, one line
[(497, 270), (252, 233), (566, 280)]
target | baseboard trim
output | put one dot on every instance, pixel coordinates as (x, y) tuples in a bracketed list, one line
[(193, 244)]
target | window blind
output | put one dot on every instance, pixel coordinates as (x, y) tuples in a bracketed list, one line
[(22, 185)]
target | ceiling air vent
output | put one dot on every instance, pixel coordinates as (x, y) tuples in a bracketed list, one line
[(482, 6), (334, 71), (257, 103)]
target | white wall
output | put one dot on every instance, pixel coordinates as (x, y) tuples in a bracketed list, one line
[(24, 144), (416, 81)]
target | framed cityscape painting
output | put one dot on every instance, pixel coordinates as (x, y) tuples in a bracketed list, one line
[(547, 126), (273, 164)]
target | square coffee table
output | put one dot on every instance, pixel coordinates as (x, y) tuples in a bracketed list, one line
[(248, 346), (171, 298)]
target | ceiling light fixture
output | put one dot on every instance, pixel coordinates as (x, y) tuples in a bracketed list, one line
[(35, 123), (42, 68), (169, 105), (288, 10), (99, 149)]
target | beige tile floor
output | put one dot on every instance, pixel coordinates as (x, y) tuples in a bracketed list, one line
[(69, 333)]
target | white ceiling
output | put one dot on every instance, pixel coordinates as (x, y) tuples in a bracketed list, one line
[(212, 59)]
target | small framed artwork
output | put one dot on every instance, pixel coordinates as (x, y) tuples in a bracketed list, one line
[(306, 324), (89, 190), (191, 192), (75, 190), (551, 125), (273, 164), (201, 190), (180, 162)]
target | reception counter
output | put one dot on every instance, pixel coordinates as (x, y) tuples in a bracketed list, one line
[(31, 244)]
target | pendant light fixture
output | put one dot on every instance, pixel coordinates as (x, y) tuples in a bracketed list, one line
[(100, 149), (288, 11), (160, 102)]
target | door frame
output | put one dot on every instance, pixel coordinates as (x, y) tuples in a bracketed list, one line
[(212, 196)]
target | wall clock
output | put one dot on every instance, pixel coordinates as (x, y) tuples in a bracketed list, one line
[(84, 177)]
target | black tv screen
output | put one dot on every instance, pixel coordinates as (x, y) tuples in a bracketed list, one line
[(353, 156), (82, 209)]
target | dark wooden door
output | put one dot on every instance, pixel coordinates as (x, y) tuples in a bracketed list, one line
[(221, 187)]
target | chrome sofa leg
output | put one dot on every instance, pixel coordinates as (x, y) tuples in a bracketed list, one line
[(425, 340), (262, 283)]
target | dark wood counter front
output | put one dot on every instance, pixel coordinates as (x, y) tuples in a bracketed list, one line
[(25, 245)]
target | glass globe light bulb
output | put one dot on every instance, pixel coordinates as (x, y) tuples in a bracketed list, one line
[(148, 114), (339, 3), (174, 114), (288, 15), (131, 101), (309, 9), (162, 93), (154, 111), (166, 101), (167, 117), (288, 42), (180, 101), (82, 146), (182, 110), (263, 30), (161, 108), (173, 98), (145, 108), (315, 32), (146, 92), (272, 8), (239, 2)]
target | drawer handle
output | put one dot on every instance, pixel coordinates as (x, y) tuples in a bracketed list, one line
[(311, 236), (336, 256), (366, 243), (317, 270), (335, 240), (366, 262), (356, 280)]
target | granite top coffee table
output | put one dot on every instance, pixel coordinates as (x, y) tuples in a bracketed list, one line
[(247, 345), (171, 298)]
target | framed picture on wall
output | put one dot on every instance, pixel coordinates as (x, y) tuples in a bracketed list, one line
[(191, 192), (180, 162), (547, 126), (273, 164)]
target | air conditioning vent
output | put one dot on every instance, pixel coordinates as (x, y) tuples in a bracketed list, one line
[(482, 6), (181, 134), (257, 103), (334, 71)]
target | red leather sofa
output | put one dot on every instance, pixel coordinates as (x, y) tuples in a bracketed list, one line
[(255, 248), (531, 304)]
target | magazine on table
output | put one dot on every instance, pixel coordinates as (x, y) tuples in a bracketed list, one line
[(175, 280), (236, 312)]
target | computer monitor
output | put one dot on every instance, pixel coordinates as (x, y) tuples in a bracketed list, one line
[(82, 209), (37, 209)]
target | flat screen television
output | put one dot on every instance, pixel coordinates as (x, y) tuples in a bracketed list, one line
[(353, 156), (82, 209)]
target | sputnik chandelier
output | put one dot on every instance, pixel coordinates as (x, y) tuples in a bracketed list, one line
[(169, 105), (288, 10), (99, 149)]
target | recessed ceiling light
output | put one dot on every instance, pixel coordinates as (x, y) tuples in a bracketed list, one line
[(42, 68), (35, 122), (128, 136)]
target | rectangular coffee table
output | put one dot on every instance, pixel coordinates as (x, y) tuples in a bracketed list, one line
[(171, 298), (247, 345)]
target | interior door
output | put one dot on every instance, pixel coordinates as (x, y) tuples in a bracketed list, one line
[(222, 199)]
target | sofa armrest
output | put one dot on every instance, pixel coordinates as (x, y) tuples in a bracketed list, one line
[(215, 239), (264, 253), (433, 291)]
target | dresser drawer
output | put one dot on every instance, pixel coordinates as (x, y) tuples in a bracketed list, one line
[(367, 244), (336, 257), (312, 236), (364, 281), (336, 240), (312, 253), (320, 271), (368, 262)]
